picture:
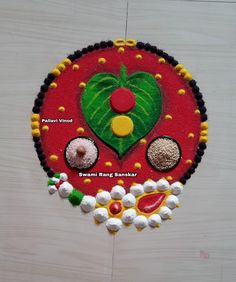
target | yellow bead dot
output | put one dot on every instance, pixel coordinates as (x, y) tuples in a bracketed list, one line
[(138, 57), (197, 112), (75, 67), (61, 109), (204, 133), (188, 76), (204, 139), (36, 132), (53, 158), (45, 128), (190, 135), (181, 92), (53, 85), (169, 178), (120, 182), (102, 61), (108, 164), (137, 165), (158, 76), (121, 50), (161, 60), (204, 125), (82, 85), (122, 126), (183, 71), (188, 161), (35, 117), (179, 67), (143, 141), (66, 62), (87, 180), (61, 67), (56, 72), (168, 117), (80, 130), (34, 124)]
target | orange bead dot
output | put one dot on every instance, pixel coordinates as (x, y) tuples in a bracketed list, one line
[(121, 50), (102, 61), (161, 60), (168, 117), (169, 178), (108, 164), (61, 109), (75, 67), (190, 135), (120, 182), (80, 130), (45, 128), (139, 57), (181, 92), (143, 141), (82, 85), (137, 165), (53, 85), (53, 158), (87, 180), (158, 76)]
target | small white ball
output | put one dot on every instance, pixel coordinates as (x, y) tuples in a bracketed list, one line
[(165, 213), (117, 192), (163, 185), (129, 200), (154, 220), (103, 197), (63, 176), (140, 222), (114, 224), (65, 189), (137, 190), (88, 203), (128, 216), (149, 186), (55, 180), (172, 201), (176, 188), (52, 189), (100, 214)]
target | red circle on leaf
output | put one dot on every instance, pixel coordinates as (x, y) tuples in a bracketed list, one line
[(122, 100), (115, 208)]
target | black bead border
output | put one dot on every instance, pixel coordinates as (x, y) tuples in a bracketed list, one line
[(38, 103)]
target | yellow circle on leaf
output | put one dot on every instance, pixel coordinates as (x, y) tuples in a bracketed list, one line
[(122, 126)]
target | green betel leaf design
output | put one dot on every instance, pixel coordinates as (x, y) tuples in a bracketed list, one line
[(98, 112)]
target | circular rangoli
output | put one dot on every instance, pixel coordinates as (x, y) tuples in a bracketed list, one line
[(119, 127)]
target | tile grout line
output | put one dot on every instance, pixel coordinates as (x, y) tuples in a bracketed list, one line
[(112, 257), (126, 20)]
